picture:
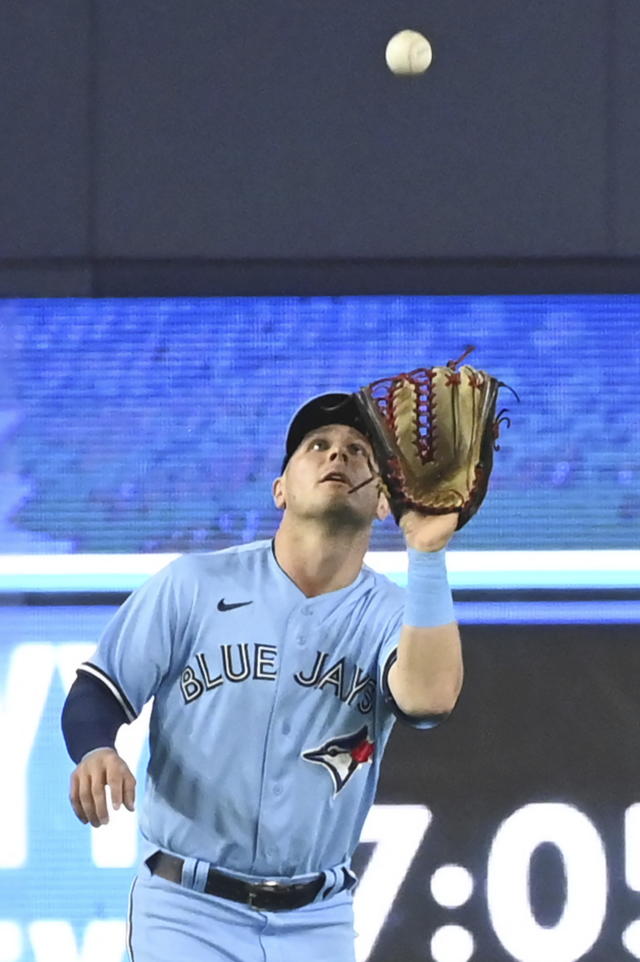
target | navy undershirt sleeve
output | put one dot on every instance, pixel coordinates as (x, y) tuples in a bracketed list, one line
[(91, 717), (413, 721)]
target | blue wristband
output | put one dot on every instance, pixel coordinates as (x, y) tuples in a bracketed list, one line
[(429, 602)]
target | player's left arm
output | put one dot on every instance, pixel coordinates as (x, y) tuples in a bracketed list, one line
[(426, 677)]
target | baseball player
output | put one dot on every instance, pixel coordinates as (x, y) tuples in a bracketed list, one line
[(277, 670)]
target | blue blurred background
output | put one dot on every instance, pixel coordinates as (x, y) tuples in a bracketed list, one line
[(158, 424)]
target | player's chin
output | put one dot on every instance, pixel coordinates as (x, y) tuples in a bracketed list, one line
[(347, 513)]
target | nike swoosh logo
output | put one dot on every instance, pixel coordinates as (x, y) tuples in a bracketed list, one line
[(223, 606)]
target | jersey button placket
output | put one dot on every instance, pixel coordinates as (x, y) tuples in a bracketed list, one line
[(306, 613), (272, 784)]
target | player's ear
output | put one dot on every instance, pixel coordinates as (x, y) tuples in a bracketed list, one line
[(277, 490), (383, 510)]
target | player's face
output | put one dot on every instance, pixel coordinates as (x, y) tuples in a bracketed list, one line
[(322, 473)]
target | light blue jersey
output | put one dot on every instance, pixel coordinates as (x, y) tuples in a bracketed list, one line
[(270, 713)]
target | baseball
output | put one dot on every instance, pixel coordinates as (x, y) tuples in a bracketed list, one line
[(408, 53)]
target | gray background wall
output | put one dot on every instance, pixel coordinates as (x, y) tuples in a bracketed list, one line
[(251, 147)]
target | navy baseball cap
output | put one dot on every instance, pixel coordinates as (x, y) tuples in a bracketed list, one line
[(336, 408)]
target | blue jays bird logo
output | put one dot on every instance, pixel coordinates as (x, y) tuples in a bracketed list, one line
[(343, 755)]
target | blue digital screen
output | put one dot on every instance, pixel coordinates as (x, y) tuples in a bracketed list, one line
[(158, 425)]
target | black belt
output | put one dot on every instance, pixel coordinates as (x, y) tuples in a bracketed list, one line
[(266, 896)]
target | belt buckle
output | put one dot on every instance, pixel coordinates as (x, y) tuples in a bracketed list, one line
[(257, 888)]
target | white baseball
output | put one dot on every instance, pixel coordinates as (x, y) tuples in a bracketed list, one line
[(408, 52)]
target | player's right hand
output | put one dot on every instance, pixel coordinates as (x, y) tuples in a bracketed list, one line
[(87, 793)]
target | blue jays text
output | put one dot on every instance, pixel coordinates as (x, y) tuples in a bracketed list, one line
[(351, 684)]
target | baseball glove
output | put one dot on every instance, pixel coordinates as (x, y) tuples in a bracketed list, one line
[(434, 432)]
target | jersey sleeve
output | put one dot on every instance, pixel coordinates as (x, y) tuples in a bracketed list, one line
[(135, 650), (388, 654)]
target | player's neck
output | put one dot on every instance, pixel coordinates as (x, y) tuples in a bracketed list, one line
[(318, 561)]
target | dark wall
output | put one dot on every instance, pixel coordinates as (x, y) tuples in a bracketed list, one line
[(625, 130), (547, 719), (145, 141), (45, 150)]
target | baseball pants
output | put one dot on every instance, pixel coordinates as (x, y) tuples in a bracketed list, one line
[(169, 922)]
